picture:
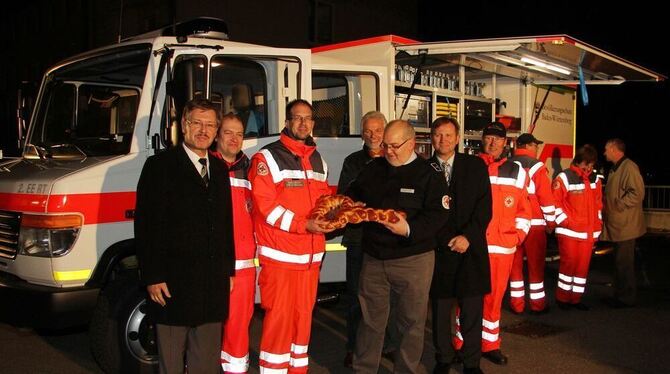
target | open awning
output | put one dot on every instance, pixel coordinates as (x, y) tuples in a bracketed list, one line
[(543, 60)]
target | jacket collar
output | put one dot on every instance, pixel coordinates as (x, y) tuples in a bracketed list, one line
[(489, 160), (524, 152), (241, 160), (301, 149), (621, 160), (580, 172)]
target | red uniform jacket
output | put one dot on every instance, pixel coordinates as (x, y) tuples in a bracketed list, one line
[(539, 188), (240, 189), (578, 204), (511, 209), (287, 177)]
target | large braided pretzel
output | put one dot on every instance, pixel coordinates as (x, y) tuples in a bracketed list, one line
[(339, 210)]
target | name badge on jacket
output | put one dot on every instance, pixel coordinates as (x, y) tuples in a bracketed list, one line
[(294, 183), (406, 190)]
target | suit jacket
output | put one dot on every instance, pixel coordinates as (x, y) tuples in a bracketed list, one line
[(467, 274), (184, 237)]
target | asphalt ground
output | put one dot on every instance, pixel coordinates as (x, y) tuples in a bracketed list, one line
[(601, 340)]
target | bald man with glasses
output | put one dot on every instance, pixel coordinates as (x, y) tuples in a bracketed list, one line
[(398, 257)]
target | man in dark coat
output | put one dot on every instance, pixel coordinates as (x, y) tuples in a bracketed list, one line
[(183, 229), (461, 276)]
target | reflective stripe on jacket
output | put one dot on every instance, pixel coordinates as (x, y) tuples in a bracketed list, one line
[(287, 178), (578, 204), (511, 209)]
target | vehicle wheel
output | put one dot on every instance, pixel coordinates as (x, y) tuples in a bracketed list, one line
[(123, 338)]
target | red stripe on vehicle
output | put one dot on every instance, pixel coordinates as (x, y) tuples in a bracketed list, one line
[(354, 43), (556, 150), (96, 207)]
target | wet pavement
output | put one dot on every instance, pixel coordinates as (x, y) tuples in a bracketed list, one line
[(601, 340)]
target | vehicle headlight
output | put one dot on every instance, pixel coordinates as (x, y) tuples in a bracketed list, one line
[(48, 235)]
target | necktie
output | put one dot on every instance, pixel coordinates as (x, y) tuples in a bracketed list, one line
[(203, 171), (447, 171)]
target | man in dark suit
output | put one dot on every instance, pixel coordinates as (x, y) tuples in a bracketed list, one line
[(183, 229), (461, 277)]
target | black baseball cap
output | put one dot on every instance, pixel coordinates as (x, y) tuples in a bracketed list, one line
[(496, 129), (524, 139)]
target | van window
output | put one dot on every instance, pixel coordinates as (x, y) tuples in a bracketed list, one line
[(340, 100), (238, 85), (89, 108)]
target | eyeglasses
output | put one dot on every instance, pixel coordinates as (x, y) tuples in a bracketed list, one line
[(394, 147), (302, 119), (199, 124)]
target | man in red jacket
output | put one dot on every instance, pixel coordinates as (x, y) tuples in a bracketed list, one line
[(287, 177), (534, 248), (235, 346), (508, 228)]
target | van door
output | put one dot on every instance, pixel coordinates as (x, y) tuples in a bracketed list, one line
[(341, 96)]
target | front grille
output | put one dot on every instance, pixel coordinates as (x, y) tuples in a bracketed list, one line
[(10, 223)]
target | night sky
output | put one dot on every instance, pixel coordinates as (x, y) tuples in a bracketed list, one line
[(639, 113)]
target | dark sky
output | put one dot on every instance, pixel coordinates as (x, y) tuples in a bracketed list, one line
[(637, 31)]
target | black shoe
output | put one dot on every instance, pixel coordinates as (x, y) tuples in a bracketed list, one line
[(390, 355), (495, 356), (441, 368), (472, 371), (581, 306), (458, 358), (539, 312), (615, 303), (563, 306), (349, 360)]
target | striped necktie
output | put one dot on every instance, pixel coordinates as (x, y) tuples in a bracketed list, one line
[(203, 171), (447, 171)]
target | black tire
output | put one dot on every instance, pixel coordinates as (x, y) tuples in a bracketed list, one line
[(123, 339)]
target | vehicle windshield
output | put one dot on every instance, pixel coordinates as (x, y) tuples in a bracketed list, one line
[(89, 107)]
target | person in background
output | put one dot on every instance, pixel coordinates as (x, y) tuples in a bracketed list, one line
[(508, 228), (228, 149), (578, 196), (372, 132), (624, 220), (462, 273), (534, 248)]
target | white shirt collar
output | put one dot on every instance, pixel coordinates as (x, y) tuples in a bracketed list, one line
[(194, 159), (449, 161), (411, 158)]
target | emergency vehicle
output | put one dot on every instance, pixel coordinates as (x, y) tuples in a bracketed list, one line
[(67, 253)]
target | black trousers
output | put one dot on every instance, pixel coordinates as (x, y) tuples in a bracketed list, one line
[(200, 345), (444, 322)]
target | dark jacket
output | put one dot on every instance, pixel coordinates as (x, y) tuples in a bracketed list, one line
[(184, 237), (353, 164), (416, 189), (467, 274)]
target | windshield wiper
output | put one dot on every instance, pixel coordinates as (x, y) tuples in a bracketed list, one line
[(66, 145)]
